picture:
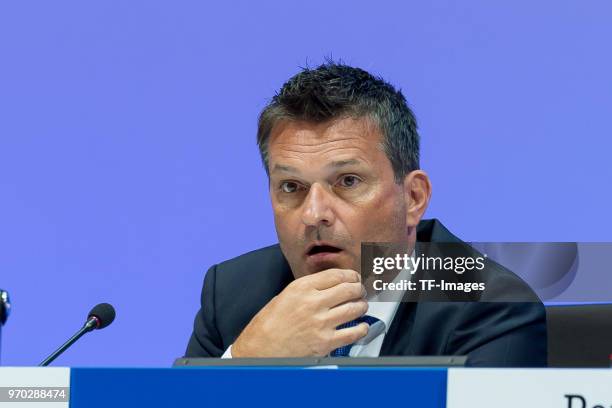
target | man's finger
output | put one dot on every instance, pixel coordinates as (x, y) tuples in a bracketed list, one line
[(349, 335), (346, 312), (332, 277), (341, 293)]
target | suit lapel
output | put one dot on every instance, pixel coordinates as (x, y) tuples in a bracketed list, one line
[(397, 341)]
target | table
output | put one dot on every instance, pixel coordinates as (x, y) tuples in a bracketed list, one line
[(316, 387)]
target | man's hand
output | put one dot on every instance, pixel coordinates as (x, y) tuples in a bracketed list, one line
[(301, 321)]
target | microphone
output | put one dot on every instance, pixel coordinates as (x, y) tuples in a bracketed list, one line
[(5, 306), (100, 316)]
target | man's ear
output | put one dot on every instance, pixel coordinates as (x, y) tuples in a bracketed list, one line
[(417, 192)]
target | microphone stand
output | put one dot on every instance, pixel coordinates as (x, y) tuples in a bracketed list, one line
[(90, 325)]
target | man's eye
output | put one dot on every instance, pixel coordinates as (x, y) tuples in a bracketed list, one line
[(289, 187), (349, 181)]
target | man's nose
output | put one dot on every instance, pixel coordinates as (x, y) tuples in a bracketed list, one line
[(317, 208)]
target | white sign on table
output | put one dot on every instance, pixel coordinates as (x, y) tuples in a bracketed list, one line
[(34, 387), (545, 387)]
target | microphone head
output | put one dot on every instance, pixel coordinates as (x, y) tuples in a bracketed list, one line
[(104, 313)]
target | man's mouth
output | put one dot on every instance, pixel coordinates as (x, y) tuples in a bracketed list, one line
[(317, 249), (323, 255)]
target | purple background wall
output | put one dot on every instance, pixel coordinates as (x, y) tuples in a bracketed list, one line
[(128, 163)]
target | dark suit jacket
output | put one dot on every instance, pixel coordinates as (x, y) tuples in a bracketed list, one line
[(490, 333)]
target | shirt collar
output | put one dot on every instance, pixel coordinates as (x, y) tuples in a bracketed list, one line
[(385, 310)]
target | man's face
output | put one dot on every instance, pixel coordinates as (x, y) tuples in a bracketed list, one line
[(332, 188)]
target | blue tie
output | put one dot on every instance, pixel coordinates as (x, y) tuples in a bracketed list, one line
[(345, 350)]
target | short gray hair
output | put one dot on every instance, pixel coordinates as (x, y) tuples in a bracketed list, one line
[(333, 91)]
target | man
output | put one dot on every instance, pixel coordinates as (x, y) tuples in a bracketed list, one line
[(341, 150)]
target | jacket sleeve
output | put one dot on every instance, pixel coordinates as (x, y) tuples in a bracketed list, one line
[(205, 340)]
